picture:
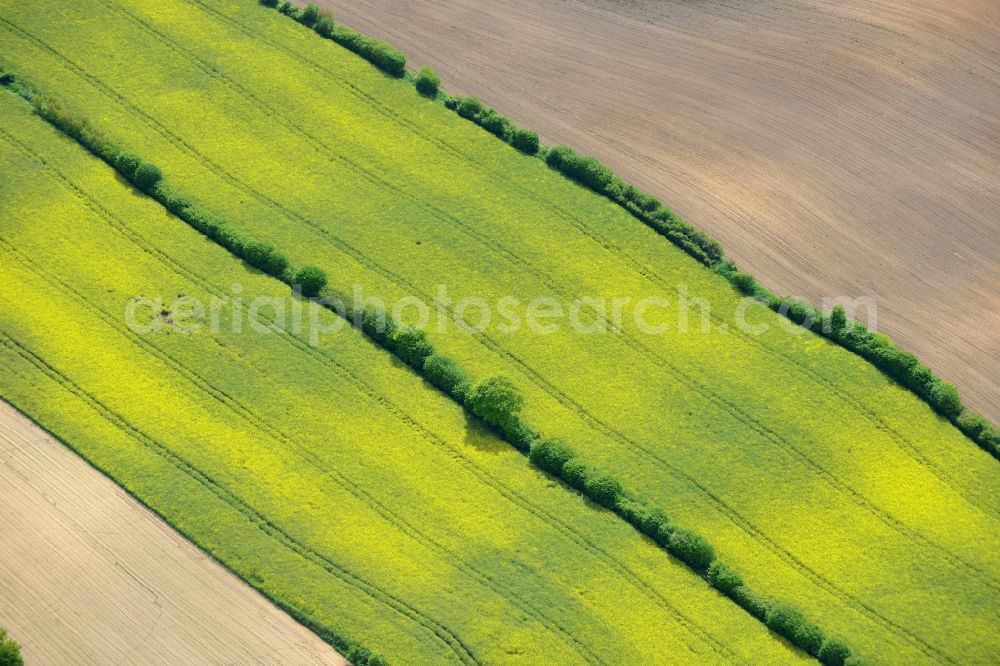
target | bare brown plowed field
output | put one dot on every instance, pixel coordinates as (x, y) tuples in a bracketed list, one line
[(835, 148), (90, 576)]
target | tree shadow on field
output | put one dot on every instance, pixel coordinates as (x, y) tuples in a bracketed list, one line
[(479, 436)]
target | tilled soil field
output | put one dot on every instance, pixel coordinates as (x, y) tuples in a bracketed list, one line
[(90, 576), (835, 148)]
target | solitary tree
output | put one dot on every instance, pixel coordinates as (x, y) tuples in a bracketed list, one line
[(495, 400)]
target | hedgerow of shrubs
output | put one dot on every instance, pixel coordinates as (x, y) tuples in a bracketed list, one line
[(494, 399), (941, 396), (471, 108), (375, 51)]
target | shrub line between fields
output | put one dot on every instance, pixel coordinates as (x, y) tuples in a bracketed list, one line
[(879, 422), (878, 349), (483, 476), (493, 399), (245, 413)]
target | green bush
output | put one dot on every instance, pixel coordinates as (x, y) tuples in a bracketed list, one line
[(656, 525), (447, 375), (428, 82), (631, 511), (309, 15), (411, 345), (524, 140), (172, 200), (311, 280), (451, 102), (834, 652), (126, 163), (288, 9), (10, 651), (789, 623), (378, 325), (359, 656), (325, 24), (495, 400), (574, 473), (550, 454), (469, 107), (495, 123), (724, 578), (971, 423), (691, 549), (557, 155), (744, 282), (517, 432), (753, 603), (264, 257), (838, 320), (989, 439), (146, 177), (269, 3), (945, 399), (605, 490), (213, 227), (810, 638), (800, 312)]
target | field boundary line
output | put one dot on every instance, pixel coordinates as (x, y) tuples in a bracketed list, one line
[(748, 419), (984, 434), (546, 518), (184, 147), (440, 633)]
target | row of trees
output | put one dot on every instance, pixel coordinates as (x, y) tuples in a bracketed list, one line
[(879, 350), (148, 178), (591, 173)]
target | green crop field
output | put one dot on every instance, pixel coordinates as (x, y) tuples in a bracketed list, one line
[(386, 516), (826, 484)]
